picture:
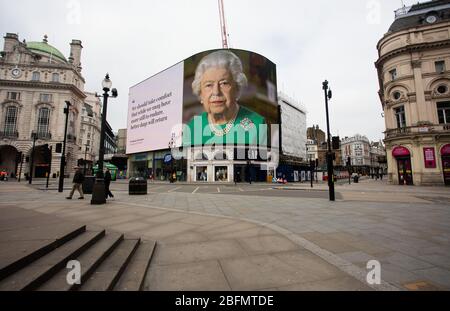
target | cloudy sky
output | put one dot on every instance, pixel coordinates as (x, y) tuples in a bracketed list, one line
[(309, 41)]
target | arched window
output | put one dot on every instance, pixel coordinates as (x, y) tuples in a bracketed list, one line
[(43, 122), (10, 120)]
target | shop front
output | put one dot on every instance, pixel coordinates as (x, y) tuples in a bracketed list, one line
[(404, 167), (445, 156)]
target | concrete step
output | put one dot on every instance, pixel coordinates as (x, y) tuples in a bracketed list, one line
[(108, 273), (133, 277), (89, 261), (30, 248), (42, 269)]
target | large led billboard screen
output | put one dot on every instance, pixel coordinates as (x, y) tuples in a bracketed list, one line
[(214, 97)]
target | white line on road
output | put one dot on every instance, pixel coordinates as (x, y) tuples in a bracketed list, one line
[(218, 189), (240, 189), (195, 190), (172, 190)]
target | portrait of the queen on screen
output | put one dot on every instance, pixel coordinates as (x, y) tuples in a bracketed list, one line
[(218, 84)]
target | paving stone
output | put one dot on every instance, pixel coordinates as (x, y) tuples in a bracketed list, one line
[(199, 251), (268, 271), (344, 283), (161, 231), (268, 244), (197, 276), (436, 275)]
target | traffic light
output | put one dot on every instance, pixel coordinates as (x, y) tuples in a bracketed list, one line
[(335, 142)]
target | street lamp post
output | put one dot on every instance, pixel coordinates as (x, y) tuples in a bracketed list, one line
[(330, 167), (34, 136), (63, 156), (98, 191)]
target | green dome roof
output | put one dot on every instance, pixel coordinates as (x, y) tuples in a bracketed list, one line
[(46, 48)]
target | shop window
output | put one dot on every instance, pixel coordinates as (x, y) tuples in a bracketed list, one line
[(221, 173), (202, 174)]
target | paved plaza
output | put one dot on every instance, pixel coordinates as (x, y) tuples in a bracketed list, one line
[(266, 236)]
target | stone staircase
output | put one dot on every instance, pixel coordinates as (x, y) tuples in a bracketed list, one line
[(108, 261)]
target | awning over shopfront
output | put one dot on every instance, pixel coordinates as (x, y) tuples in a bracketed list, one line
[(400, 151)]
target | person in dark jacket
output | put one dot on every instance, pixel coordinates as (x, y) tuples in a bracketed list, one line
[(78, 180), (107, 183)]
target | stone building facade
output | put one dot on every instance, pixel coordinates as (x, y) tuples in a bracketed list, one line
[(36, 80), (414, 76)]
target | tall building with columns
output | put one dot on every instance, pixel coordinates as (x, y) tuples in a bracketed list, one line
[(414, 77), (36, 80)]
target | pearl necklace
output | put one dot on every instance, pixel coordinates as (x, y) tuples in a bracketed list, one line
[(224, 131)]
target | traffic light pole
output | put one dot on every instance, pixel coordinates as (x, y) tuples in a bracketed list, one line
[(63, 156), (330, 167), (49, 167)]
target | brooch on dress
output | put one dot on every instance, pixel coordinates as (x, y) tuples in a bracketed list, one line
[(247, 124)]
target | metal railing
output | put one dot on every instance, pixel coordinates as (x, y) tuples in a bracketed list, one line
[(9, 134), (418, 129), (402, 11), (42, 135)]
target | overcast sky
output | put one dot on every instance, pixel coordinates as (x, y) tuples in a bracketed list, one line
[(309, 41)]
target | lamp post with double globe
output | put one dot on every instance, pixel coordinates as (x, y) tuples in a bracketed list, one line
[(98, 191)]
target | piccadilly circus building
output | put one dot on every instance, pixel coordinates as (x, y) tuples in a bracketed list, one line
[(414, 77), (215, 117), (36, 81)]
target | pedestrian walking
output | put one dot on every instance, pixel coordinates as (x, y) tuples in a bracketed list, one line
[(107, 183), (78, 180)]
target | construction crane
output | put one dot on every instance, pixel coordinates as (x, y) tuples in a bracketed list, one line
[(223, 27)]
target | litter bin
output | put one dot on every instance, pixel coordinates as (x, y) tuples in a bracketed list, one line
[(137, 185), (88, 184), (355, 179)]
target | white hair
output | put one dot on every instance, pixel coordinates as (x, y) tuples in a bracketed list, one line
[(220, 59)]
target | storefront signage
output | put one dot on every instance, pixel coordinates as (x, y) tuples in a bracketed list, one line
[(167, 158), (400, 152), (429, 157)]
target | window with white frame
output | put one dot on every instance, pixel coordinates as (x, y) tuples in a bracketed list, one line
[(10, 120), (43, 121), (36, 76), (13, 95), (443, 110), (400, 116)]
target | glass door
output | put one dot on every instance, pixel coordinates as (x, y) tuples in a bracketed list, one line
[(404, 171), (446, 169)]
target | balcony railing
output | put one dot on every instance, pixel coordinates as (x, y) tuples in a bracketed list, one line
[(42, 135), (9, 134), (417, 130)]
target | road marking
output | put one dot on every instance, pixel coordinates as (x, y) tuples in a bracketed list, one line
[(218, 189), (240, 189), (195, 190), (172, 190), (159, 187)]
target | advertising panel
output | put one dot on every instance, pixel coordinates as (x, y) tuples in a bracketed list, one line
[(215, 97)]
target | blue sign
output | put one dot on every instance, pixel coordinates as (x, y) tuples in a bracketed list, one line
[(167, 158)]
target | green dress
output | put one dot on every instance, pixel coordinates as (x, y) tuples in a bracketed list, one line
[(246, 129)]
